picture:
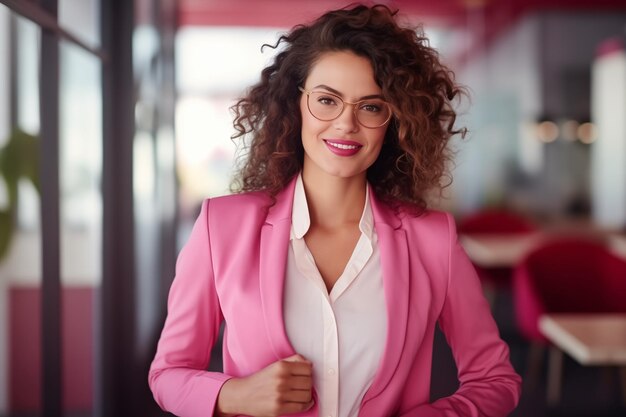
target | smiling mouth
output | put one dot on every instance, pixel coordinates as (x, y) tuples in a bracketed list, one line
[(343, 145)]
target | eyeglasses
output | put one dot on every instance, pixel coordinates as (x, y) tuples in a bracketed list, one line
[(324, 106)]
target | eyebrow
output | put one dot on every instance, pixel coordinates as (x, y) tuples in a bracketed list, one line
[(336, 92)]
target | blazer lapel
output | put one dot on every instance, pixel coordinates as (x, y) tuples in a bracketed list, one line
[(274, 245), (394, 258)]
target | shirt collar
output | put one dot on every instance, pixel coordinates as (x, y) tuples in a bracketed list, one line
[(301, 221)]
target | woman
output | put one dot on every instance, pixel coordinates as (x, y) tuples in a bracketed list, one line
[(328, 269)]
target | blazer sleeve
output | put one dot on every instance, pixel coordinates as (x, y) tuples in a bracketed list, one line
[(489, 386), (178, 377)]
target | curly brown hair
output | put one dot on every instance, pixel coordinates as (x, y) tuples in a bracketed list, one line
[(420, 89)]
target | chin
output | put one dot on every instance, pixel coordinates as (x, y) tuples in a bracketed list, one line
[(343, 173)]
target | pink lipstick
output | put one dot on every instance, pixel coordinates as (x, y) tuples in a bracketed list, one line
[(343, 147)]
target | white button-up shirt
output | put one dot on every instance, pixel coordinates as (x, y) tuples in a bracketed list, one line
[(342, 333)]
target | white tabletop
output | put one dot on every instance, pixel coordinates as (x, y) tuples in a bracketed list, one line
[(496, 250), (591, 339)]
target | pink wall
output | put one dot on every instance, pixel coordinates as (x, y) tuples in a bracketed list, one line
[(25, 348)]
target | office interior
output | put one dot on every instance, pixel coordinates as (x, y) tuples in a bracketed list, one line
[(115, 125)]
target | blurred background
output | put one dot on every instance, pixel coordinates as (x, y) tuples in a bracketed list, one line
[(115, 124)]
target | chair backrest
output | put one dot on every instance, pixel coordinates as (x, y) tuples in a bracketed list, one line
[(495, 221), (568, 275)]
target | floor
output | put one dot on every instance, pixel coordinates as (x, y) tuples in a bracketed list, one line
[(586, 391)]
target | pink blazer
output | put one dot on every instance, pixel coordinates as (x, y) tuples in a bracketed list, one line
[(233, 269)]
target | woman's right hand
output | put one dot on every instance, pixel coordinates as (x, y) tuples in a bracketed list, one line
[(283, 387)]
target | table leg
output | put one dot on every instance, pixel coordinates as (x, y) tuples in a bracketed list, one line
[(622, 374), (555, 370), (534, 365)]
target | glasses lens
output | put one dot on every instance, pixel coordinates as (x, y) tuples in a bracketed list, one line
[(325, 106), (372, 113), (369, 113)]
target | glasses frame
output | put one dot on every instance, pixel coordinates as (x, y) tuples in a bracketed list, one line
[(353, 104)]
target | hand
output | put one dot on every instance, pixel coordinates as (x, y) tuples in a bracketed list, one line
[(283, 387)]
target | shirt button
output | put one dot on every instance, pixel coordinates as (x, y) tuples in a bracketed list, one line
[(331, 372)]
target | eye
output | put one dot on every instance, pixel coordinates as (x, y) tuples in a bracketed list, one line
[(371, 107), (327, 100)]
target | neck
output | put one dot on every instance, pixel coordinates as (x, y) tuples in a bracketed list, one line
[(333, 201)]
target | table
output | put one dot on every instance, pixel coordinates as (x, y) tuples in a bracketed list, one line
[(506, 250), (617, 244), (591, 339), (499, 250)]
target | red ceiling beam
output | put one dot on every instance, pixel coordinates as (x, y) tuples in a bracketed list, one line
[(496, 15), (281, 13)]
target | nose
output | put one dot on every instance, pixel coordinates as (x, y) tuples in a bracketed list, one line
[(347, 120)]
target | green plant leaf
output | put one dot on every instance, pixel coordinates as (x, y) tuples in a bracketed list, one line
[(7, 224), (19, 158)]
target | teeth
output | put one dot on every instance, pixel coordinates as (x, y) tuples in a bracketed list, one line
[(342, 146)]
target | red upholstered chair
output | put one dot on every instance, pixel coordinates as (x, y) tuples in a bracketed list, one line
[(495, 222), (567, 275), (564, 275)]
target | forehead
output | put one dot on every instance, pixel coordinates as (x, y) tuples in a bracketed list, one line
[(344, 71)]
